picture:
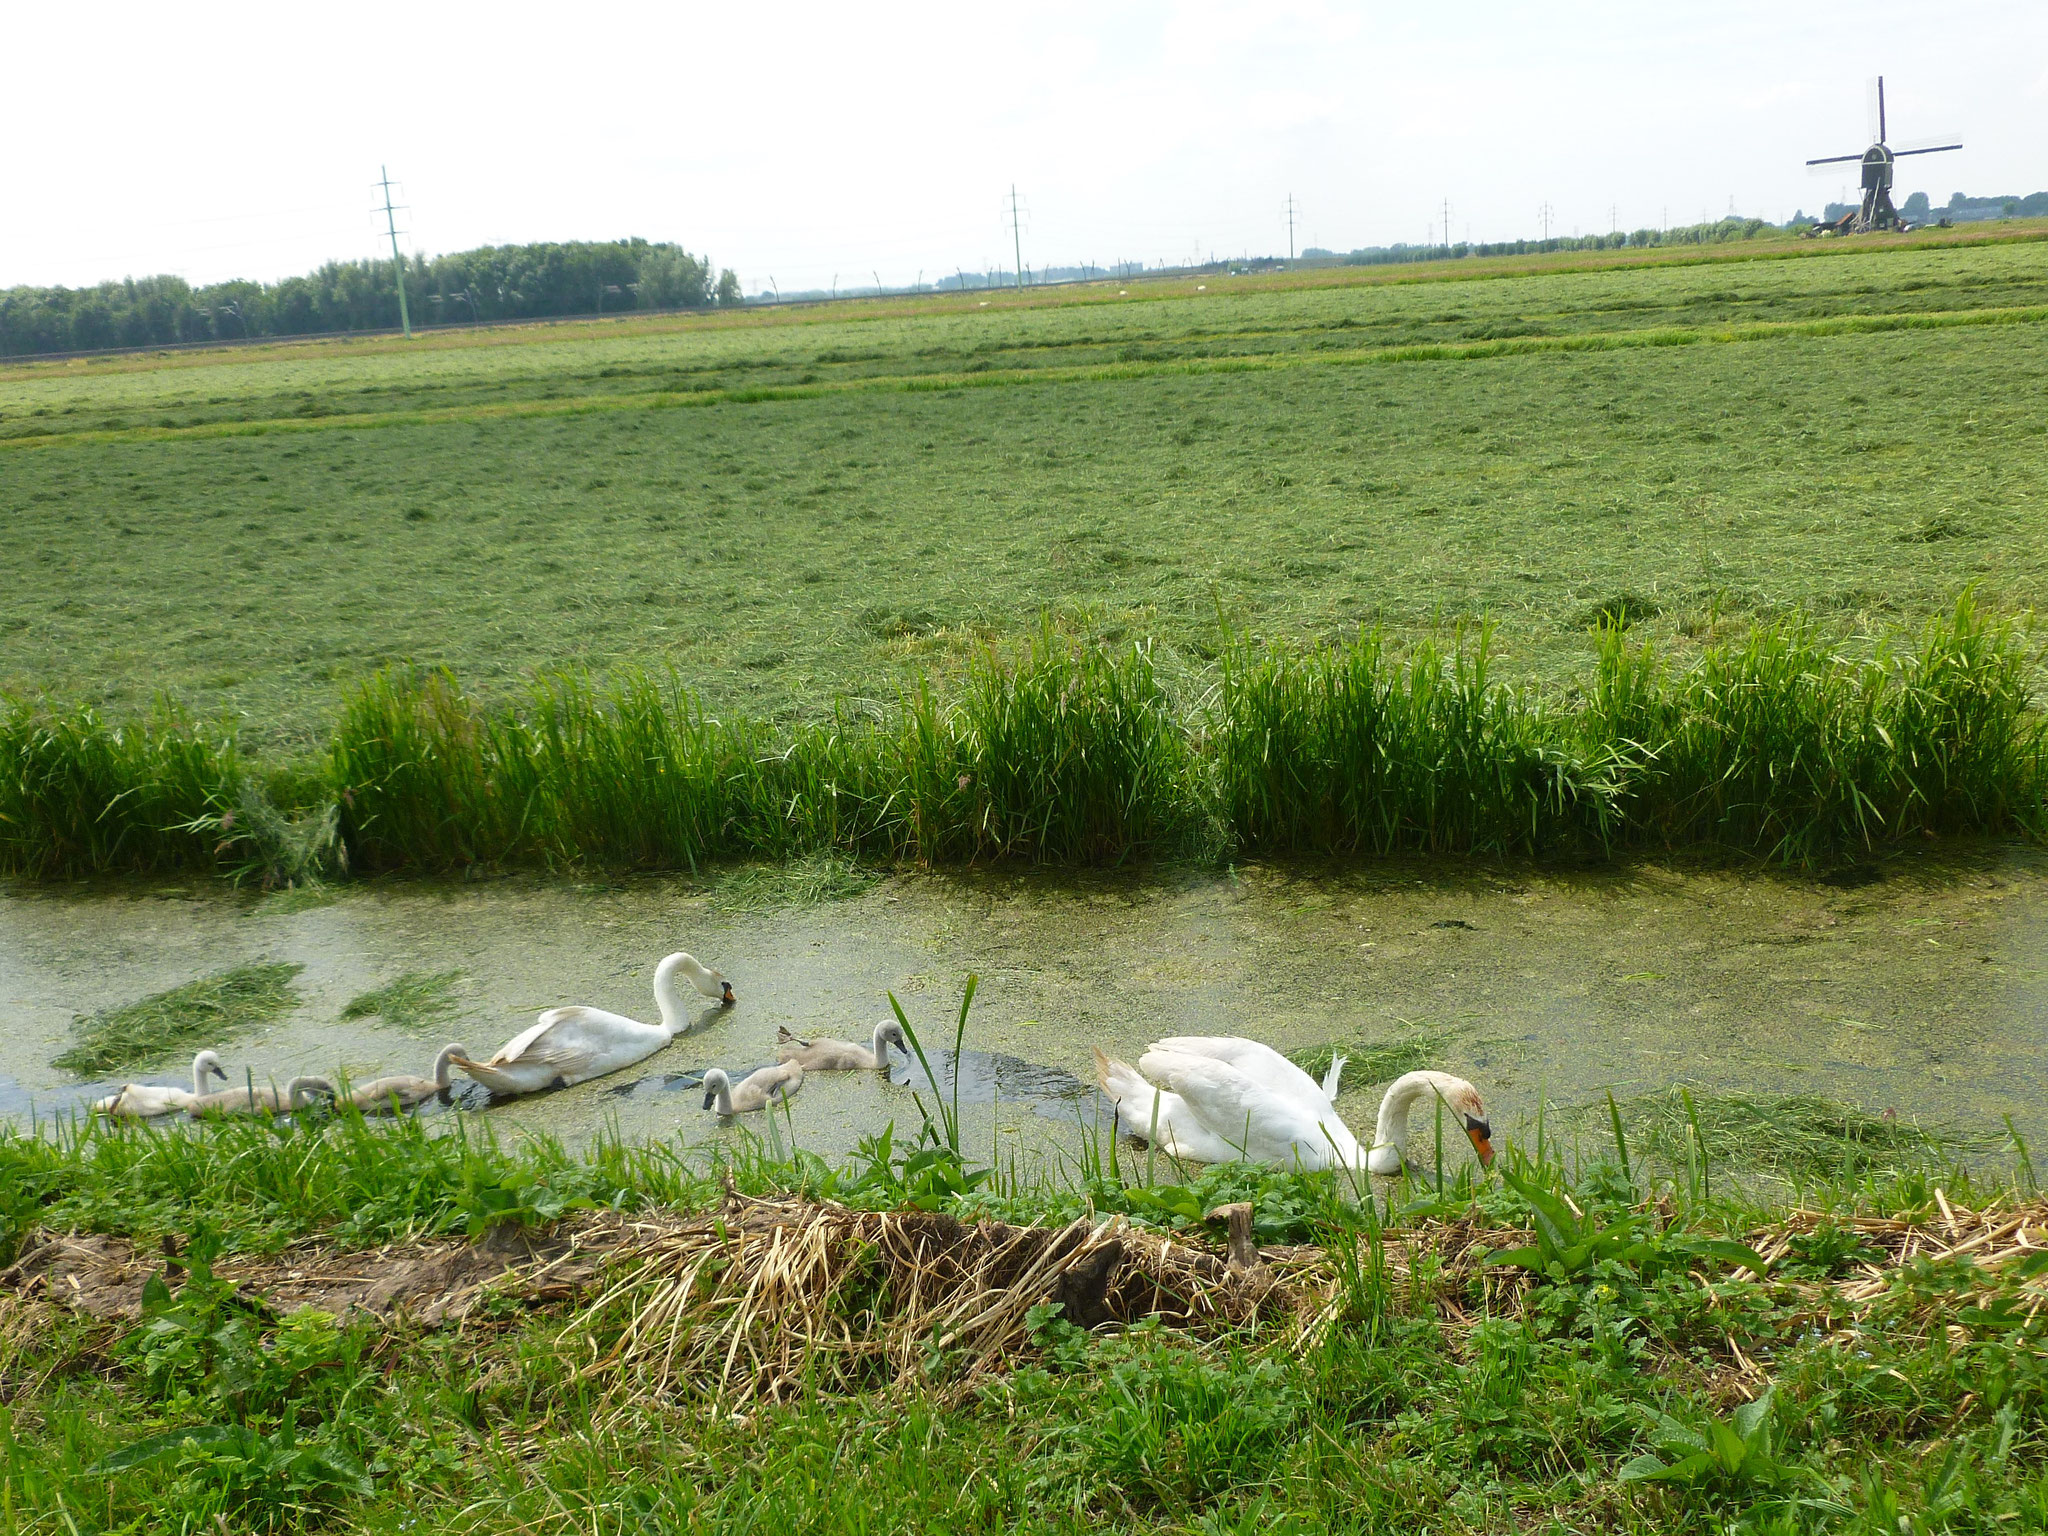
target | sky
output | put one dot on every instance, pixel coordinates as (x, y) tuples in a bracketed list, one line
[(806, 144)]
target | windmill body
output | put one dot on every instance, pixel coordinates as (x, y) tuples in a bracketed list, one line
[(1876, 164)]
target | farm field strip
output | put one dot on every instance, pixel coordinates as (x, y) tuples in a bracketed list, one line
[(344, 380), (1478, 351)]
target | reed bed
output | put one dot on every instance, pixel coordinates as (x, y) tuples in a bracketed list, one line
[(80, 794), (1777, 745)]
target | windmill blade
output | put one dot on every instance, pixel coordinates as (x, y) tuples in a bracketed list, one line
[(1855, 159), (1876, 124), (1929, 143)]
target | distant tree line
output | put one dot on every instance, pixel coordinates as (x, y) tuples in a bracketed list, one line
[(1718, 232), (496, 282)]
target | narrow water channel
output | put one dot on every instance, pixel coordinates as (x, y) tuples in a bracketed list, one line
[(1923, 990)]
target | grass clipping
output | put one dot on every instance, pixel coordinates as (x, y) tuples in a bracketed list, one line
[(206, 1012), (415, 999), (1794, 1136)]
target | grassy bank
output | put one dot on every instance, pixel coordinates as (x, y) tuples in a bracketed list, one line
[(1770, 744), (1610, 1340)]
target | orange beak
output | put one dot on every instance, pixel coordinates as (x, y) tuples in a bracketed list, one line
[(1482, 1144), (730, 997)]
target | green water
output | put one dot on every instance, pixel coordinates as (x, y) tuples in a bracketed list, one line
[(1923, 991)]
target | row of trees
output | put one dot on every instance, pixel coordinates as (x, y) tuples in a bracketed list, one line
[(501, 282), (1715, 233)]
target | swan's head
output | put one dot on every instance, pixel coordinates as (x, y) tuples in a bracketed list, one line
[(307, 1090), (206, 1065), (1451, 1096), (888, 1033), (715, 1083), (1463, 1098)]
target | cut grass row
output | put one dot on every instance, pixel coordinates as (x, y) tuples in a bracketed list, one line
[(1774, 746), (1006, 377)]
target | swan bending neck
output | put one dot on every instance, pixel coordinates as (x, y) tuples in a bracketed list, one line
[(675, 1017)]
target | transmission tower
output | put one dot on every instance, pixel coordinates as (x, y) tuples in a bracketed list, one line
[(1017, 234), (397, 261), (1293, 212)]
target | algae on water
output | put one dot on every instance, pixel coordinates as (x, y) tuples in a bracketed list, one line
[(206, 1012), (415, 998)]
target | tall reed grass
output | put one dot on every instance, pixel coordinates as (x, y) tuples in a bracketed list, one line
[(1777, 745), (79, 795)]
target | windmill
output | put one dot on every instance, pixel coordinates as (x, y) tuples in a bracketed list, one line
[(1877, 211)]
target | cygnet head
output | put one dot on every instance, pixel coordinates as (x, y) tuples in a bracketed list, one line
[(890, 1033), (715, 1083), (206, 1065)]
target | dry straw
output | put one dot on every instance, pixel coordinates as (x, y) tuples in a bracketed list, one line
[(769, 1298)]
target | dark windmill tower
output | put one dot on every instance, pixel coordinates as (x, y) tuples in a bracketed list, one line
[(1877, 211)]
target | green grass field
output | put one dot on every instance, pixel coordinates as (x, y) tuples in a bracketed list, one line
[(862, 490)]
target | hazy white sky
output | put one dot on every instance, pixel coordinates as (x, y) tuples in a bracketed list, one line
[(802, 141)]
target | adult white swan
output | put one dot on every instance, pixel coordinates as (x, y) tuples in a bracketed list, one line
[(389, 1095), (572, 1045), (145, 1101), (1224, 1098)]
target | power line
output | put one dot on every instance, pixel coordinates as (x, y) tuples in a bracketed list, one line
[(397, 261)]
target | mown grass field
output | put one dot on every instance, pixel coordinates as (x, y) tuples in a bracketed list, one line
[(861, 490)]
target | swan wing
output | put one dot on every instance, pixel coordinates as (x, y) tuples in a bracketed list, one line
[(1271, 1127), (1255, 1059), (582, 1042), (1147, 1111)]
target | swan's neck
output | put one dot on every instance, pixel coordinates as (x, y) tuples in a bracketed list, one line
[(675, 1017), (725, 1098), (880, 1043), (199, 1076), (441, 1065), (1392, 1127), (303, 1088)]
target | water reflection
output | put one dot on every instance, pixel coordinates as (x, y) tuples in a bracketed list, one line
[(983, 1077)]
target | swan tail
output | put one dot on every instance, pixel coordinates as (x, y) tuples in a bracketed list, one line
[(1119, 1079)]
